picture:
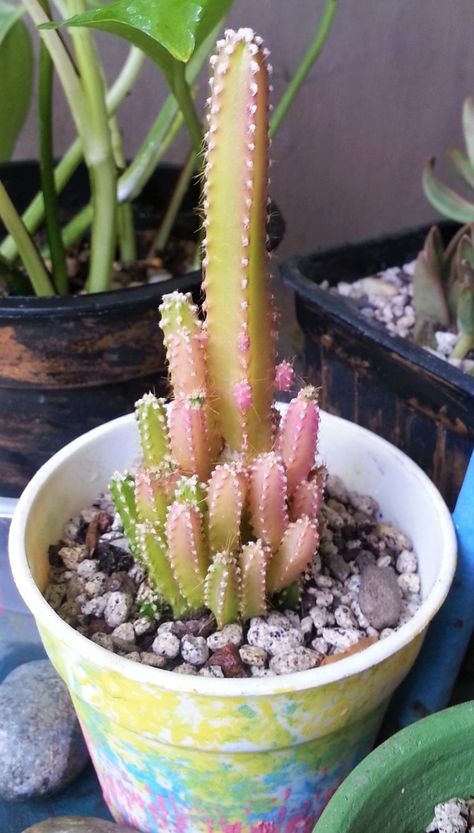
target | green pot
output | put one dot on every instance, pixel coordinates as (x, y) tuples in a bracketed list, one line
[(396, 787)]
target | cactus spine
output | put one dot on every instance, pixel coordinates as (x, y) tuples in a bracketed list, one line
[(224, 511)]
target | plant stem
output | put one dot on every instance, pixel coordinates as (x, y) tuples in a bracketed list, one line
[(463, 346), (310, 57), (28, 252), (125, 227), (182, 92), (45, 83), (161, 239), (34, 214), (98, 155)]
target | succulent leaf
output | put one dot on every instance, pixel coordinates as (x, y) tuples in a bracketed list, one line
[(296, 550), (253, 561), (151, 416), (187, 553), (462, 166), (122, 491), (468, 127), (222, 588), (268, 498), (444, 199), (227, 490), (429, 297), (298, 436), (239, 318)]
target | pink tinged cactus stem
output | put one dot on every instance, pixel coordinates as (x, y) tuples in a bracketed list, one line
[(284, 376), (153, 554), (296, 550), (187, 553), (227, 489), (151, 417), (239, 318), (185, 344), (253, 567), (308, 495), (267, 499), (190, 436), (222, 588), (152, 496), (298, 437)]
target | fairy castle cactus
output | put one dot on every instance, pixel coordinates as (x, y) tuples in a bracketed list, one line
[(223, 511)]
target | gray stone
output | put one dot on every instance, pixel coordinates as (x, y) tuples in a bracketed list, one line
[(77, 824), (380, 597), (41, 745)]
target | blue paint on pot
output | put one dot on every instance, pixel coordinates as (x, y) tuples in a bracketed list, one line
[(429, 685)]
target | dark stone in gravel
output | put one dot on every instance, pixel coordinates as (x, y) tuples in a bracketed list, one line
[(200, 626), (365, 558), (380, 598), (112, 559), (53, 554), (120, 581), (337, 565), (41, 744), (228, 658), (77, 824)]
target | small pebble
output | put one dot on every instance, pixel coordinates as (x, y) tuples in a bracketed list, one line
[(117, 608), (230, 634), (380, 597), (252, 655), (156, 661), (407, 562), (409, 583), (299, 659), (166, 644), (194, 649)]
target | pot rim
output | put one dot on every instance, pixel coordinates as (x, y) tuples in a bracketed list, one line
[(229, 687)]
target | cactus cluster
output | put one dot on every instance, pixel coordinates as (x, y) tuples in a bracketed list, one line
[(223, 511)]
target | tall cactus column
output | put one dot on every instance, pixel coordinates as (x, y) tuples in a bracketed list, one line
[(239, 318)]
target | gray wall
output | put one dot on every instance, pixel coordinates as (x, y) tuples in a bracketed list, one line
[(385, 95)]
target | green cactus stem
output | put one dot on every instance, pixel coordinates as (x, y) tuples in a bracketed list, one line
[(296, 550), (223, 588), (186, 551), (153, 554), (227, 491), (151, 417), (268, 499), (122, 490), (253, 561), (152, 496), (239, 318)]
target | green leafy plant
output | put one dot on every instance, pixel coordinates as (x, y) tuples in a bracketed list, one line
[(177, 35), (443, 284), (16, 74), (223, 510)]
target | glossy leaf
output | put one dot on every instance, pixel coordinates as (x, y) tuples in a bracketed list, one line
[(166, 31), (444, 199), (16, 74)]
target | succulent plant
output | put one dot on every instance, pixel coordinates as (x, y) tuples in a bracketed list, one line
[(444, 278), (443, 288), (223, 511)]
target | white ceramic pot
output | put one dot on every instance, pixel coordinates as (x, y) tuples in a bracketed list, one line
[(180, 754)]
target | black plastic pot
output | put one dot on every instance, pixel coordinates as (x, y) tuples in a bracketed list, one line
[(420, 403), (69, 364)]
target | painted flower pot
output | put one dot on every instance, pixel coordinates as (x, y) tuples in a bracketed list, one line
[(398, 785), (191, 754)]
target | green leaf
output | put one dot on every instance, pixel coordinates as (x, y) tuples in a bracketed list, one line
[(468, 127), (462, 165), (166, 31), (16, 74), (444, 199)]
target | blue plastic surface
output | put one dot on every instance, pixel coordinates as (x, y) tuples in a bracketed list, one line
[(429, 685), (20, 642)]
